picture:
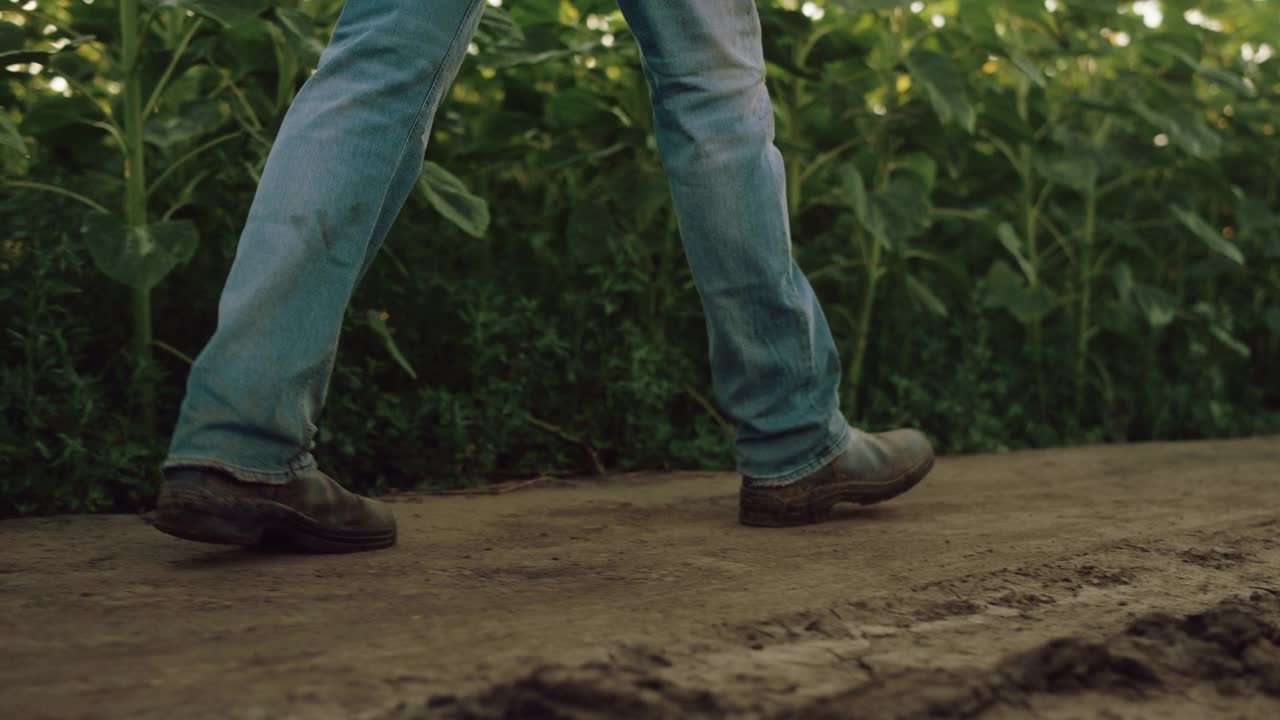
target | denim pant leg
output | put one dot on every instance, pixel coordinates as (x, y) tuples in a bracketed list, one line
[(774, 363), (345, 159)]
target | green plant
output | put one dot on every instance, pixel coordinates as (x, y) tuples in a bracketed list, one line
[(166, 98), (1030, 224), (62, 447)]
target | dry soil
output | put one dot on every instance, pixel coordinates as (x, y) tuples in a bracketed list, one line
[(1138, 581)]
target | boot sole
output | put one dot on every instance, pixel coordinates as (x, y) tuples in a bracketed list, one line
[(759, 510), (196, 514)]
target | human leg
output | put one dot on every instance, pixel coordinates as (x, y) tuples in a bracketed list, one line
[(340, 170), (774, 363), (773, 360), (240, 469)]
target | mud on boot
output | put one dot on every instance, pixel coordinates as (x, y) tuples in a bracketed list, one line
[(874, 468), (310, 513)]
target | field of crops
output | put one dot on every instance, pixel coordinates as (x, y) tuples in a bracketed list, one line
[(1031, 223)]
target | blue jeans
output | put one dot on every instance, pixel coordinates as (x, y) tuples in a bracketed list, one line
[(350, 151)]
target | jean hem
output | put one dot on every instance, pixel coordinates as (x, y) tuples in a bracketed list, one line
[(828, 454), (243, 474)]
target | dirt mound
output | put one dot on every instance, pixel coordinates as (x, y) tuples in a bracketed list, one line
[(1234, 646), (597, 691)]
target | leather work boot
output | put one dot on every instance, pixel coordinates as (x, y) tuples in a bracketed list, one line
[(312, 513), (876, 467)]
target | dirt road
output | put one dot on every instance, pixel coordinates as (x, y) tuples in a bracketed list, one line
[(1136, 581)]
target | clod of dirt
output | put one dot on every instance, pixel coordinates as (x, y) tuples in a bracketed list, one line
[(1022, 600), (948, 609), (596, 691), (1232, 645), (1104, 577), (1216, 558)]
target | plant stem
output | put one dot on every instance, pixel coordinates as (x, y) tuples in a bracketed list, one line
[(1085, 263), (1082, 327), (190, 156), (884, 143), (135, 206), (570, 437), (173, 63), (864, 327), (796, 174), (174, 352), (1031, 215), (710, 407)]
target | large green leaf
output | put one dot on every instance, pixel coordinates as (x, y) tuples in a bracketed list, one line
[(510, 57), (13, 40), (193, 121), (905, 207), (9, 136), (575, 108), (1157, 306), (864, 208), (1211, 237), (54, 112), (1186, 128), (226, 12), (920, 164), (945, 85), (1009, 239), (450, 197), (498, 31), (1231, 342), (925, 297), (1080, 173), (1007, 290), (1221, 77), (1028, 68), (140, 256), (249, 46), (299, 30), (895, 214), (1122, 274)]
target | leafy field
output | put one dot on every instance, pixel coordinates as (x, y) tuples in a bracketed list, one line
[(1030, 223)]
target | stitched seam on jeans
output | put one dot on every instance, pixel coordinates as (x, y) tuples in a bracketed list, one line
[(240, 473), (432, 88)]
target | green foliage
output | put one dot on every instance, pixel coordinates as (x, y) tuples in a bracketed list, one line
[(946, 87), (66, 441), (450, 197), (138, 256), (1027, 226)]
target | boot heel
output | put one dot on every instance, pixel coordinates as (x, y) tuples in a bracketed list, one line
[(205, 527), (758, 510)]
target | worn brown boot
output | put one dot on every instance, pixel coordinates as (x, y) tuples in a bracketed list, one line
[(312, 513), (876, 467)]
